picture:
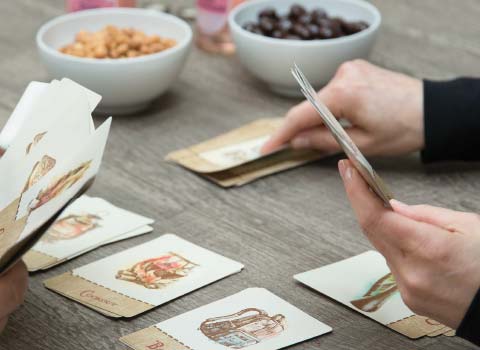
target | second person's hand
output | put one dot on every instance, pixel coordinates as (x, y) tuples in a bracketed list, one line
[(384, 108)]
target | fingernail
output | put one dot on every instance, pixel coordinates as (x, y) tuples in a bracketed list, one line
[(301, 142), (349, 173), (341, 167)]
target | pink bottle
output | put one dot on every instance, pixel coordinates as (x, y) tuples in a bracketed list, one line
[(78, 5), (212, 25)]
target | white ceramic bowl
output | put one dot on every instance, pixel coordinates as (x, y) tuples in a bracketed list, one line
[(270, 59), (127, 84)]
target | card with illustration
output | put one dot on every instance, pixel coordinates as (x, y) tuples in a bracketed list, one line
[(52, 158), (365, 284), (254, 319), (86, 224), (143, 277), (234, 158)]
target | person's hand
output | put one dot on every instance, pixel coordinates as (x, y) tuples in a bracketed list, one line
[(384, 108), (13, 286), (433, 253)]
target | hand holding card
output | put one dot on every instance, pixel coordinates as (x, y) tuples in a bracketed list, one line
[(349, 147)]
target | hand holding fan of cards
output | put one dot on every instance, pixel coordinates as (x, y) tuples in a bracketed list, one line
[(53, 153)]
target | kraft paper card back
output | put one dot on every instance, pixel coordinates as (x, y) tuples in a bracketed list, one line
[(234, 159)]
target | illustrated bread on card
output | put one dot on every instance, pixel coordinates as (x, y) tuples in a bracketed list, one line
[(254, 317), (84, 225), (234, 159), (143, 277), (367, 286), (52, 156)]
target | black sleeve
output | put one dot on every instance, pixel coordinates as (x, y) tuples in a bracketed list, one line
[(469, 329), (451, 120)]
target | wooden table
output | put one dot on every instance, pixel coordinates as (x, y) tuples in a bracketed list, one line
[(278, 226)]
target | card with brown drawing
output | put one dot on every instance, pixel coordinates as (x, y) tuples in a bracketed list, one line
[(143, 277), (254, 319)]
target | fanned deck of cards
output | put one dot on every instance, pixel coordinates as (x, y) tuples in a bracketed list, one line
[(368, 287), (234, 158), (254, 319), (143, 277), (83, 226), (351, 150), (53, 153)]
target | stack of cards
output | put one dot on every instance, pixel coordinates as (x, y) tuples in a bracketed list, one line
[(141, 278), (53, 153), (368, 287), (234, 158), (83, 226), (254, 318)]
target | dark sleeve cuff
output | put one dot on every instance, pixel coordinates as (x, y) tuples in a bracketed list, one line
[(469, 329), (451, 120)]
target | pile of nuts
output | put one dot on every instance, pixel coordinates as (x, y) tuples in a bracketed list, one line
[(302, 24), (113, 42)]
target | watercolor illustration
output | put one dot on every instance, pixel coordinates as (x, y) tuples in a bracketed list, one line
[(377, 295), (157, 273), (59, 185), (36, 139), (244, 328), (39, 170), (71, 226)]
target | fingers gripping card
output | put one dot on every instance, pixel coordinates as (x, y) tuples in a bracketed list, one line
[(234, 158), (341, 136), (86, 224), (140, 278), (368, 287), (254, 318)]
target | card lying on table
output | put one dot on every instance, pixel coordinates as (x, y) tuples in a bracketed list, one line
[(84, 225), (252, 319), (53, 153), (143, 277), (365, 284), (234, 159)]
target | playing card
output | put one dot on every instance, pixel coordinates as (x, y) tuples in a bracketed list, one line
[(365, 284), (37, 196), (234, 158), (86, 224), (254, 318), (148, 275), (339, 133)]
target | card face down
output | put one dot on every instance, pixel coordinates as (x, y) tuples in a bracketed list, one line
[(145, 276), (84, 225), (364, 283), (253, 319), (234, 158)]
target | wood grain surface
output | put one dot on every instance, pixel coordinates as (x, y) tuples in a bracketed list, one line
[(278, 226)]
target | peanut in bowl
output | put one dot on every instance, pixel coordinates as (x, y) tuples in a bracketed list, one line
[(127, 84)]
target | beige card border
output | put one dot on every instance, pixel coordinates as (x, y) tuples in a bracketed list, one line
[(36, 260), (243, 174), (96, 296), (190, 159), (152, 338), (415, 326)]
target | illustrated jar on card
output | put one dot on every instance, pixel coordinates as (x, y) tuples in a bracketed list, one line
[(212, 25), (244, 328)]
